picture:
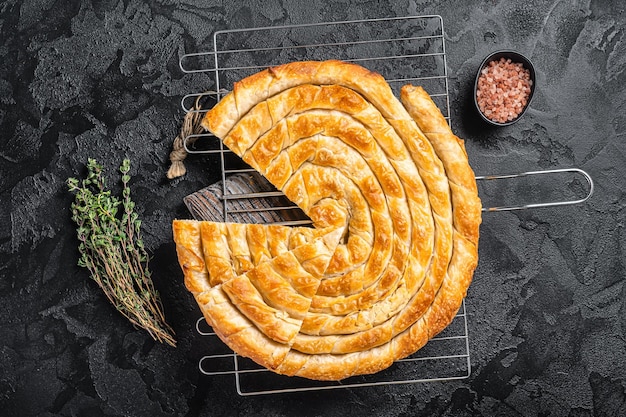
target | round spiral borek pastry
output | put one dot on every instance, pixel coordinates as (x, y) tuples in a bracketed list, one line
[(396, 214)]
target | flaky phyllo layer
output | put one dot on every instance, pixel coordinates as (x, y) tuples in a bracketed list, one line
[(395, 211)]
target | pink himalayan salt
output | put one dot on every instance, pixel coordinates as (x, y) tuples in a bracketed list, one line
[(503, 90)]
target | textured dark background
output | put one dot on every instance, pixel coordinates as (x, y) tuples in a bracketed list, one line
[(547, 308)]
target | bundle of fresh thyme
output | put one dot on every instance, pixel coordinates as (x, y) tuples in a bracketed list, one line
[(111, 248)]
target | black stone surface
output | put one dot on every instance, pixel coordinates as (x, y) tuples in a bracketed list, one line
[(546, 310)]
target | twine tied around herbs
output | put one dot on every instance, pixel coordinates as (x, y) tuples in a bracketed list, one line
[(190, 127)]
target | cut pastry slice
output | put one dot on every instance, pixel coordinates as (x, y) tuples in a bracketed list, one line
[(267, 302)]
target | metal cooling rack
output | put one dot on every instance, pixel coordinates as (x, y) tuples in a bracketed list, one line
[(404, 50), (445, 357)]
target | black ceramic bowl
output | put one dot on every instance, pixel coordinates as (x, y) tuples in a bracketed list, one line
[(515, 57)]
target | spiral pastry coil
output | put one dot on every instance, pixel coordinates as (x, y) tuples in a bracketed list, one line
[(396, 219)]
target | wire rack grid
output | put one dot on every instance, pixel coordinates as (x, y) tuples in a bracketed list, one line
[(404, 50)]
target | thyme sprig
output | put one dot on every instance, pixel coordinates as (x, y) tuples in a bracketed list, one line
[(111, 248)]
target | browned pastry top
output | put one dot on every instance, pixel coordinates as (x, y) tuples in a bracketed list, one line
[(395, 211)]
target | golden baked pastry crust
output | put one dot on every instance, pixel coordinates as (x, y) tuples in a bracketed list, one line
[(333, 137), (257, 305)]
